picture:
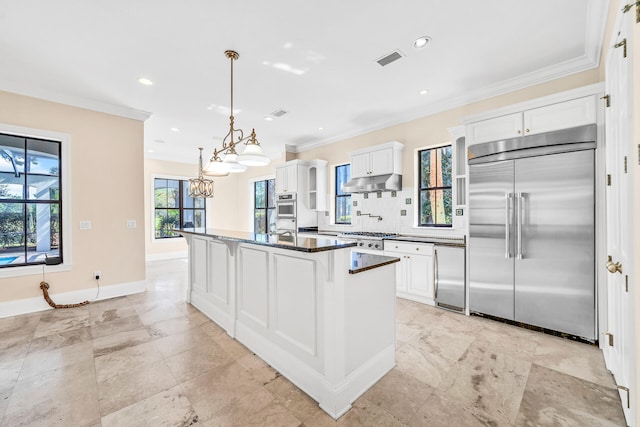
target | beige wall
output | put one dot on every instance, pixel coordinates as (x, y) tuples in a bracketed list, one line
[(106, 189)]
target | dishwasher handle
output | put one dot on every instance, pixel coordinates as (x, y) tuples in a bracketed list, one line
[(435, 274)]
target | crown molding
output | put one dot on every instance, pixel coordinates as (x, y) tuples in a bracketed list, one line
[(74, 101)]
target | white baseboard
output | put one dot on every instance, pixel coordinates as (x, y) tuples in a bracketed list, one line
[(32, 305), (166, 255)]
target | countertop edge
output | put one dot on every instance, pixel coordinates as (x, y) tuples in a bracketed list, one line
[(269, 244), (391, 260)]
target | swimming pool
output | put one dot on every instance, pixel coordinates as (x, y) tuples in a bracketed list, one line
[(7, 259)]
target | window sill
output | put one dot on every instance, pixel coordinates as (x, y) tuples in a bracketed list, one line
[(32, 270)]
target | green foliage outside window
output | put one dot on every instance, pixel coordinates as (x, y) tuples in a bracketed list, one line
[(435, 194)]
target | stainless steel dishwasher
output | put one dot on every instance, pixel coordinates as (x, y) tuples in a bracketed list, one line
[(450, 277)]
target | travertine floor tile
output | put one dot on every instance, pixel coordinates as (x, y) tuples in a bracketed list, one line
[(128, 354), (135, 357), (440, 410), (554, 398), (580, 360), (167, 408), (258, 368), (119, 341), (181, 342), (487, 382), (197, 360), (60, 339), (211, 393), (128, 387), (399, 394), (292, 398), (51, 360)]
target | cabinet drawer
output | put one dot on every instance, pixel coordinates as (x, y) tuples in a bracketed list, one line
[(408, 247)]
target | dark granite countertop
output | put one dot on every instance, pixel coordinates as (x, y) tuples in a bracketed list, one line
[(444, 241), (362, 262), (287, 241)]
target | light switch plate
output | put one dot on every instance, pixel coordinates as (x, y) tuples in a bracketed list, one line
[(131, 223), (85, 225)]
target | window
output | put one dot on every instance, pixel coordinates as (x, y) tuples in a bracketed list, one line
[(30, 200), (264, 206), (343, 200), (434, 174), (175, 209)]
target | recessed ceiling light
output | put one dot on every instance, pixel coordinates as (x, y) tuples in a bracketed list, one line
[(320, 128), (424, 92), (421, 42), (175, 130), (269, 119), (150, 151), (145, 81), (159, 141)]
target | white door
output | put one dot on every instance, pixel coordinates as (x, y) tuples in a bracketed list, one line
[(618, 340)]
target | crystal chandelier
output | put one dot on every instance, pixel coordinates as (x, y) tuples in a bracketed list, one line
[(231, 161), (200, 186)]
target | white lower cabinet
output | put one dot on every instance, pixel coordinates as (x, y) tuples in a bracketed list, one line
[(414, 274)]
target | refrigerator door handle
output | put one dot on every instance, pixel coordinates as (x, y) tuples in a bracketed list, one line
[(519, 207), (507, 225), (435, 274)]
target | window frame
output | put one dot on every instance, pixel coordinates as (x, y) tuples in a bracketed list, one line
[(337, 196), (266, 198), (65, 208), (183, 184), (419, 188)]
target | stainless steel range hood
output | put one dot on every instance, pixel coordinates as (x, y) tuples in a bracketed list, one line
[(390, 182)]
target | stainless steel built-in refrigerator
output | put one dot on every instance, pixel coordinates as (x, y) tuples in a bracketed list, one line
[(532, 230)]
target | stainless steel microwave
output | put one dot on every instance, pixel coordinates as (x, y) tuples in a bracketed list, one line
[(286, 205)]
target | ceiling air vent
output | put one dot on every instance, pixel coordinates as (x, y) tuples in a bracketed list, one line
[(278, 113), (389, 58)]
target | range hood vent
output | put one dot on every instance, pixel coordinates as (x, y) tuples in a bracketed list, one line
[(390, 182)]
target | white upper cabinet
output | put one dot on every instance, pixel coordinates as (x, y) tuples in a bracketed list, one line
[(287, 178), (556, 116), (381, 159), (563, 115), (509, 126)]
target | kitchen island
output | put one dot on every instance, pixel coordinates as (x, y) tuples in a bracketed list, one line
[(320, 315)]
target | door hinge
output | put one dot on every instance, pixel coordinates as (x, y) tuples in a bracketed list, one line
[(609, 180), (607, 99), (610, 335), (622, 44), (625, 164), (621, 387), (628, 7)]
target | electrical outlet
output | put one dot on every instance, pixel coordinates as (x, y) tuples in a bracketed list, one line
[(96, 275)]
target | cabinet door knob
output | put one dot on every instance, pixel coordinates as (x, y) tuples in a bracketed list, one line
[(519, 131), (527, 130)]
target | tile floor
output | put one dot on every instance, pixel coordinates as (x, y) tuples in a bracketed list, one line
[(151, 359)]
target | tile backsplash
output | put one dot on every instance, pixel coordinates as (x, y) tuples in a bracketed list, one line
[(397, 214)]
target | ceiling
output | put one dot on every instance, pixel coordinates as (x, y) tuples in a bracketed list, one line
[(317, 62)]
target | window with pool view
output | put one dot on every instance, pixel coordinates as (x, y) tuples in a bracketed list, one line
[(175, 209), (30, 200), (434, 175)]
